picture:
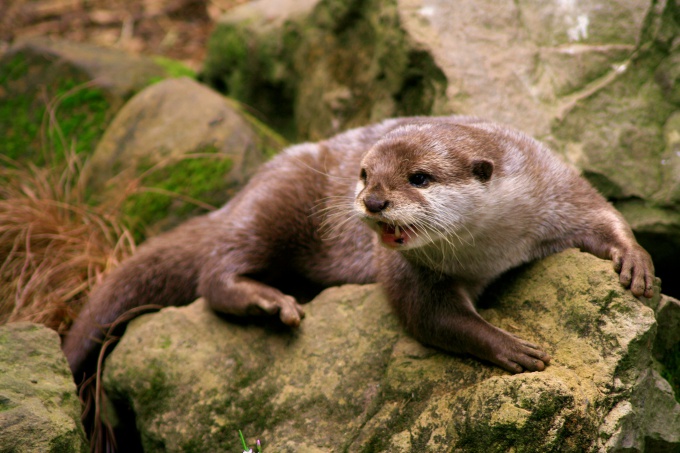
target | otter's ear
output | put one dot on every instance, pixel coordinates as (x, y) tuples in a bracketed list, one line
[(482, 169)]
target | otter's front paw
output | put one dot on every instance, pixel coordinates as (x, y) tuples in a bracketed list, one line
[(243, 296), (636, 270), (290, 312)]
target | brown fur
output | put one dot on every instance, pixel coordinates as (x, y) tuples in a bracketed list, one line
[(500, 198)]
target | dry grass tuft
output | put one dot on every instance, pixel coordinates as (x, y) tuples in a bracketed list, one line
[(53, 246)]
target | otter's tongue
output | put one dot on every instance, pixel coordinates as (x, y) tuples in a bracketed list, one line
[(394, 236)]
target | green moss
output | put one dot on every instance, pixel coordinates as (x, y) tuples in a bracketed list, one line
[(198, 178), (574, 435), (422, 84), (66, 443), (80, 114), (411, 405), (174, 68), (254, 70), (6, 403), (366, 50), (254, 413), (636, 357), (165, 342), (226, 50), (18, 124), (606, 303), (13, 69), (158, 389), (620, 126), (48, 106), (204, 179), (580, 321)]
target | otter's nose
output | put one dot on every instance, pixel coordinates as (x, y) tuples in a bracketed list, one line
[(375, 204)]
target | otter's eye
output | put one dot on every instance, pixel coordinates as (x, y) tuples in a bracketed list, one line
[(420, 180), (362, 175)]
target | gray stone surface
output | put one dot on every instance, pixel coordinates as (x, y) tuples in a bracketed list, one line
[(39, 407)]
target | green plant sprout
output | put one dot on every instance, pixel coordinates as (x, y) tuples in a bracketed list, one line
[(245, 446)]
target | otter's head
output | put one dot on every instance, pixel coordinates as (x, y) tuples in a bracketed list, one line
[(422, 183)]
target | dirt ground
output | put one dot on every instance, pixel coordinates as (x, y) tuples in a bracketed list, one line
[(176, 29)]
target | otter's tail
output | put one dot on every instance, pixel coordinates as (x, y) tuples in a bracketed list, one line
[(163, 272)]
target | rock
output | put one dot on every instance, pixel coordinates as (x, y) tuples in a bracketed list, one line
[(598, 81), (527, 64), (647, 423), (39, 406), (350, 379), (330, 65), (668, 316), (119, 73), (153, 137), (667, 342), (57, 95)]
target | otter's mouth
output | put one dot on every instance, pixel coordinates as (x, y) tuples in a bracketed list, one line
[(395, 235)]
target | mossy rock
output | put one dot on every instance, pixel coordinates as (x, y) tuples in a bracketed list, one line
[(176, 149), (350, 379), (39, 405), (326, 65), (57, 96)]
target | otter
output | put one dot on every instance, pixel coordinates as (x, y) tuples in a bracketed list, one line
[(434, 209)]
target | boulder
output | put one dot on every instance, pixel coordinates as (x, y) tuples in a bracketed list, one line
[(39, 406), (58, 95), (350, 379), (597, 80), (174, 143)]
